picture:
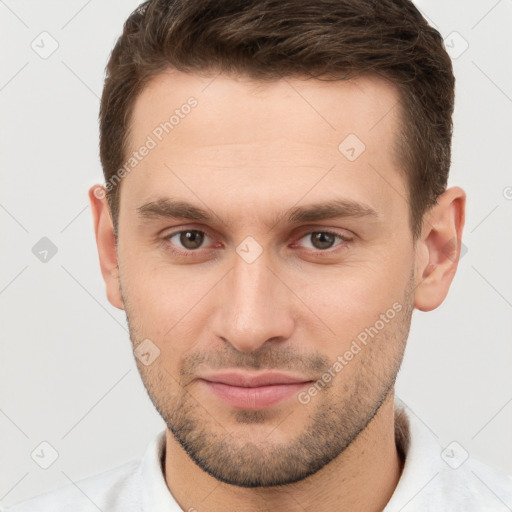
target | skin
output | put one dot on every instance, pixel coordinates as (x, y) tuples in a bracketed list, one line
[(247, 153)]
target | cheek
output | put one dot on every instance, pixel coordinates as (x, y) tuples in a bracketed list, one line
[(166, 303), (351, 299)]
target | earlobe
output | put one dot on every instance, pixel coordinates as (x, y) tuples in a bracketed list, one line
[(106, 243), (438, 249)]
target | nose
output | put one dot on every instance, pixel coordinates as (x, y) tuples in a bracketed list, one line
[(256, 306)]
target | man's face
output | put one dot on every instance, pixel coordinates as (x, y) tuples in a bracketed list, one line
[(250, 291)]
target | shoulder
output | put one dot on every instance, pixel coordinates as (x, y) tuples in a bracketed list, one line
[(109, 491), (449, 479), (479, 486), (472, 487)]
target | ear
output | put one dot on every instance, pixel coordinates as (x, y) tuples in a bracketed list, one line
[(105, 240), (438, 249)]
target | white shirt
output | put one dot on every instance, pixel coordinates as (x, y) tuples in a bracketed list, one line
[(432, 480)]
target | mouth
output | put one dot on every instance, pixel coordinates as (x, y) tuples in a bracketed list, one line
[(253, 391)]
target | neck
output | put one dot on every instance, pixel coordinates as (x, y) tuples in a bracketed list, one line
[(363, 477)]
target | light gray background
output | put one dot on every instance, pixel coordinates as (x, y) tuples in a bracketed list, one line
[(67, 372)]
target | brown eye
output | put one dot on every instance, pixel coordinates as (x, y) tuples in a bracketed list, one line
[(322, 240), (189, 239)]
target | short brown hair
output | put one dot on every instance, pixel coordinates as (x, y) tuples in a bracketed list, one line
[(271, 39)]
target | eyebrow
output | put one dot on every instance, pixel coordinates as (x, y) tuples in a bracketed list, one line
[(168, 208)]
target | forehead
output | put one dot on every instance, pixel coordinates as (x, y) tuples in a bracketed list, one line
[(237, 107), (245, 140)]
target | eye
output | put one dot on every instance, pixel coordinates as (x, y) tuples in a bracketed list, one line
[(189, 239), (323, 240)]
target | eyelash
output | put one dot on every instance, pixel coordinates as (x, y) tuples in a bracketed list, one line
[(192, 253)]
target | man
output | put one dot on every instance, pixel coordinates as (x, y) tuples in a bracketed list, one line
[(275, 206)]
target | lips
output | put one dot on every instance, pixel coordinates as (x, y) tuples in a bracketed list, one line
[(253, 391), (245, 380)]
